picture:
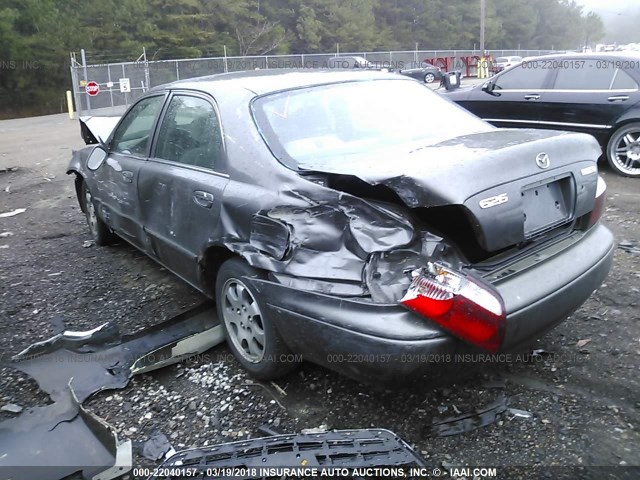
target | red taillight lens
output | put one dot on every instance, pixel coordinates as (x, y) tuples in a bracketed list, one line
[(459, 303), (598, 206)]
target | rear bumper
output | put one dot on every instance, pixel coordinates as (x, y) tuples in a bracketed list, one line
[(380, 342)]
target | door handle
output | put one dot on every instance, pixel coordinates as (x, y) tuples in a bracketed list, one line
[(618, 98), (127, 176), (532, 97), (204, 199)]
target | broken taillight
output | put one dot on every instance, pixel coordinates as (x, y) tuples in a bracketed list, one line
[(598, 206), (459, 303)]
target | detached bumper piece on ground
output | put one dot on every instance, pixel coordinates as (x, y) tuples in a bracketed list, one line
[(288, 456), (58, 440), (72, 366)]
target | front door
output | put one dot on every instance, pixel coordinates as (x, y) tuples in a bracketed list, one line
[(181, 185), (515, 98), (117, 178)]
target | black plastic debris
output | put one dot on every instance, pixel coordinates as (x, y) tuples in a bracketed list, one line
[(629, 247), (341, 448), (103, 358), (61, 439), (156, 447), (467, 422)]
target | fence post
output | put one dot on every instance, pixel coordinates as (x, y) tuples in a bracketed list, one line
[(84, 69), (110, 82), (75, 83), (126, 98), (177, 71), (147, 77)]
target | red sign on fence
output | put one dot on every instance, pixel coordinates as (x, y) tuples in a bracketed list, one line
[(92, 89)]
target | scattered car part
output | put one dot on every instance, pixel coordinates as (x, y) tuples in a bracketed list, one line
[(629, 247), (13, 213), (516, 412), (59, 440), (156, 447), (11, 408), (102, 358), (340, 448), (467, 422)]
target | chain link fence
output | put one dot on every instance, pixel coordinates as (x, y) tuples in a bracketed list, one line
[(120, 84)]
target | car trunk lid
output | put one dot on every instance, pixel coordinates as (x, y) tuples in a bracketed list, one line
[(512, 185)]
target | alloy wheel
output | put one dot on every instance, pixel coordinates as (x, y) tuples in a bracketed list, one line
[(624, 151), (243, 320)]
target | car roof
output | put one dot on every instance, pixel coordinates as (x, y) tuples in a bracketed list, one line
[(595, 55), (260, 82)]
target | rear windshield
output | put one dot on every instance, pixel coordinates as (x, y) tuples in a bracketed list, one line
[(335, 121)]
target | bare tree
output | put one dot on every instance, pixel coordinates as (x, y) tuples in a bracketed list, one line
[(259, 39)]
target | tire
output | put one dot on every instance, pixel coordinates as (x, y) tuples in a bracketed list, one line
[(100, 232), (429, 78), (623, 150), (250, 333)]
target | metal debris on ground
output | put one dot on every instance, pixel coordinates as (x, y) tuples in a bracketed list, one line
[(11, 408), (516, 412), (629, 247), (13, 213), (88, 243), (310, 431), (6, 234), (467, 422), (156, 447), (58, 440)]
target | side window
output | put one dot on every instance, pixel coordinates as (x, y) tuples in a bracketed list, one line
[(190, 133), (587, 76), (623, 81), (134, 132), (519, 78)]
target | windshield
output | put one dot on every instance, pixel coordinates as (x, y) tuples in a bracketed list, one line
[(332, 122)]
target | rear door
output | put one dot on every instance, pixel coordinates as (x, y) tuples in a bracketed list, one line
[(181, 185), (117, 177), (588, 95), (515, 98)]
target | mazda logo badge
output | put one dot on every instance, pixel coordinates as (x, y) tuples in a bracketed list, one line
[(542, 160)]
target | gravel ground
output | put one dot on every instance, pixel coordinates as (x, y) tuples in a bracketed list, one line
[(582, 391)]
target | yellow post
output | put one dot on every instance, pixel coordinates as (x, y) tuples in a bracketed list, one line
[(482, 68), (70, 104)]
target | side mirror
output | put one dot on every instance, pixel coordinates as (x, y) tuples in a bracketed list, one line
[(96, 157), (451, 80), (489, 88)]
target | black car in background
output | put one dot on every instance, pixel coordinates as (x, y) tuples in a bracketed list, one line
[(591, 93), (426, 73)]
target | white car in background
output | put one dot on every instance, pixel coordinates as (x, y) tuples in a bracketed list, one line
[(502, 63)]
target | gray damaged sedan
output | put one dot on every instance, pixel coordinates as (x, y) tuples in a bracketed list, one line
[(330, 217)]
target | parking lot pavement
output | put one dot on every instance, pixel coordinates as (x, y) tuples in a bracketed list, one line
[(581, 388)]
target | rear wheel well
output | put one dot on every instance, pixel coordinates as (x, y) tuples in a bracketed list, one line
[(212, 258)]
